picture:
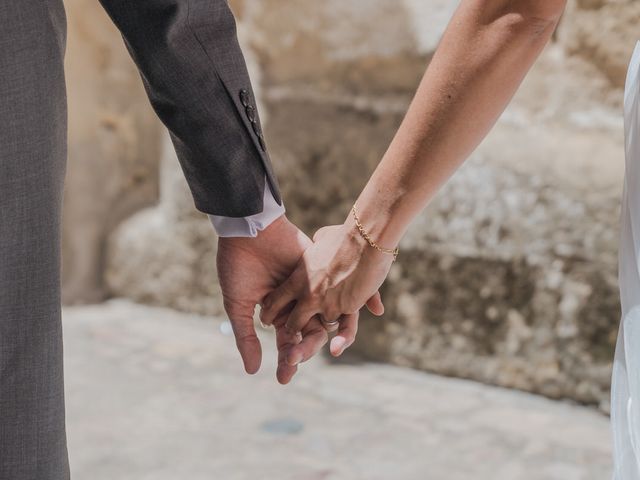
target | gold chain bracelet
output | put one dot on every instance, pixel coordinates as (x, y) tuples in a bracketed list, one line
[(368, 238)]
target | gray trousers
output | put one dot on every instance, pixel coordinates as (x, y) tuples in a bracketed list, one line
[(32, 166)]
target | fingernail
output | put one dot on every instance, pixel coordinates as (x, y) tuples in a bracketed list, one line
[(338, 345)]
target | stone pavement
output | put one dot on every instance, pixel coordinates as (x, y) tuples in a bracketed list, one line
[(156, 395)]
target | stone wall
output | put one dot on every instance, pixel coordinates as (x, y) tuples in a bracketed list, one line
[(113, 147), (509, 277)]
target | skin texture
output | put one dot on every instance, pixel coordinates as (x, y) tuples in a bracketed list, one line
[(484, 55), (250, 268), (342, 257)]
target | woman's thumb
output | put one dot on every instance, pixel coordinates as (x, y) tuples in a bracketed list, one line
[(375, 305)]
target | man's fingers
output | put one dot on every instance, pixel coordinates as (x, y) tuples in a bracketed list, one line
[(276, 301), (247, 342), (241, 318), (375, 305), (314, 337), (285, 341), (346, 334), (285, 372)]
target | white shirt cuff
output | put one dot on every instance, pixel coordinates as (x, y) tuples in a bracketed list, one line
[(252, 225)]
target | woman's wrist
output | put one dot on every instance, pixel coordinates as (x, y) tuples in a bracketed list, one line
[(379, 212), (372, 230), (359, 248)]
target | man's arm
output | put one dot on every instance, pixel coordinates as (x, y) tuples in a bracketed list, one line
[(196, 78)]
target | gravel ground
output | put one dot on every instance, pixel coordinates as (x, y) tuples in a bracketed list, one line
[(154, 394)]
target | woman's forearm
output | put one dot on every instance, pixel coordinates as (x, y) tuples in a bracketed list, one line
[(483, 57)]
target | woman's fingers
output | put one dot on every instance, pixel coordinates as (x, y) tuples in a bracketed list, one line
[(314, 337), (330, 323), (375, 305), (285, 341), (274, 303), (300, 316), (346, 334)]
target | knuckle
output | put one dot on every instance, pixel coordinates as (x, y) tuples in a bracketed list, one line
[(244, 338), (315, 294)]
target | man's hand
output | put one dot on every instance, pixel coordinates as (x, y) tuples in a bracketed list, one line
[(334, 279), (249, 269)]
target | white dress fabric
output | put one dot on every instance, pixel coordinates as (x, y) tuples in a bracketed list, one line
[(625, 389)]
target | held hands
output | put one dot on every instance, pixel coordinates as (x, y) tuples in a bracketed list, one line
[(333, 280), (250, 268), (305, 289)]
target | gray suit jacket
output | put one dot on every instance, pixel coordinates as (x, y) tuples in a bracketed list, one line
[(196, 78)]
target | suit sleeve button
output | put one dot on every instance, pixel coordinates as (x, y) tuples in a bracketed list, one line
[(251, 114), (263, 145), (244, 97)]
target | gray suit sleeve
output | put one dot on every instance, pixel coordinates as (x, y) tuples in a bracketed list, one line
[(195, 75)]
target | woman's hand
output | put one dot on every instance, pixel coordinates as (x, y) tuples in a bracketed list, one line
[(334, 279), (482, 58)]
